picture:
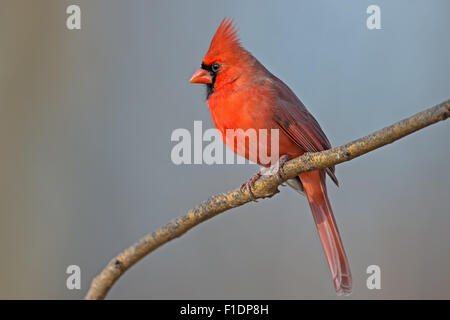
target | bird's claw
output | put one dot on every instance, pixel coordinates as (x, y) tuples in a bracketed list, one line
[(281, 162), (278, 169), (249, 184)]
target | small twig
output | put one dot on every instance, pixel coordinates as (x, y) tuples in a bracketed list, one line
[(266, 186)]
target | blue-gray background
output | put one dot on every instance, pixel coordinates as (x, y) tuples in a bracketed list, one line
[(85, 170)]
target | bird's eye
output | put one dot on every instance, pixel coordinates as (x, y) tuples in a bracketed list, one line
[(215, 67)]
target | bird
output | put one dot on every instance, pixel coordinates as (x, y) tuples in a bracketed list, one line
[(242, 94)]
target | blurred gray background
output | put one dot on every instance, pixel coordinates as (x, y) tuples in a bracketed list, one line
[(85, 123)]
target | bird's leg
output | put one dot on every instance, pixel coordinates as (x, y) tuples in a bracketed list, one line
[(250, 183), (279, 166)]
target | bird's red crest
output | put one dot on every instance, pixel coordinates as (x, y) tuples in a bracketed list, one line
[(225, 42)]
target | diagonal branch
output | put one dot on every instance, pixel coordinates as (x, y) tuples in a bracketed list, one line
[(266, 186)]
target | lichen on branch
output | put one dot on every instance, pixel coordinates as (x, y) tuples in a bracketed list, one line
[(266, 186)]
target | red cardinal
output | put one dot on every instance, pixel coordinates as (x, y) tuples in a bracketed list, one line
[(243, 94)]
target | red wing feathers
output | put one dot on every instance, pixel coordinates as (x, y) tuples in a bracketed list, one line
[(295, 120)]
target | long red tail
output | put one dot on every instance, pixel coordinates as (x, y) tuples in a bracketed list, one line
[(316, 192)]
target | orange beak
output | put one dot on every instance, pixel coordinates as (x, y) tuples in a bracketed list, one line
[(201, 76)]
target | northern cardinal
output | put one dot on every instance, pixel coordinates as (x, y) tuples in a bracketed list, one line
[(243, 94)]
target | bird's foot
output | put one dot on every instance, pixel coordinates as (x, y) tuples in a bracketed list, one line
[(279, 166), (249, 185)]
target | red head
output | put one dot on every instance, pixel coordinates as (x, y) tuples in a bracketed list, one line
[(225, 60)]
